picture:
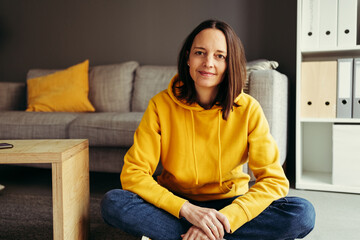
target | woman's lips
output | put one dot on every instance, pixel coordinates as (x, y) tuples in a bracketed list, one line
[(207, 74)]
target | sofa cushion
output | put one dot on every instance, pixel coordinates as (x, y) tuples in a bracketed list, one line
[(63, 91), (12, 96), (260, 64), (34, 125), (106, 129), (150, 80), (111, 86)]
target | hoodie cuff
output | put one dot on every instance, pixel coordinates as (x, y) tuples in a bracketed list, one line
[(236, 215), (172, 205)]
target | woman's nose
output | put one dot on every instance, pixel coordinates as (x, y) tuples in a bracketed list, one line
[(209, 62)]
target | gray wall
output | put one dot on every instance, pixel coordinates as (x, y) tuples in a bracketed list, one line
[(60, 33)]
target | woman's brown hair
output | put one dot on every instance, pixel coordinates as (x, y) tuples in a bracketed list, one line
[(234, 75)]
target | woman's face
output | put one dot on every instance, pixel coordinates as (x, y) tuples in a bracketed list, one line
[(207, 59)]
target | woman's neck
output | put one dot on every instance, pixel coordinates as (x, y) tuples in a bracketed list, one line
[(205, 97)]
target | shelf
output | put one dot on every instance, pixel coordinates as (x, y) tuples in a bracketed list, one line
[(323, 182), (329, 54), (316, 178), (331, 120), (323, 153), (340, 50)]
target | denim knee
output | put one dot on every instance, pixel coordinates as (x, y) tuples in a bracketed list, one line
[(111, 203), (129, 212), (306, 216)]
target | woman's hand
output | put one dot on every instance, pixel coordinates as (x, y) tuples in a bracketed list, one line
[(210, 221), (194, 233)]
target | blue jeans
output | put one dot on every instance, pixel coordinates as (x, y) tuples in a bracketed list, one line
[(286, 218)]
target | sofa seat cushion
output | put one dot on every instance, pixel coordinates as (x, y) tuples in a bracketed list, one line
[(35, 125), (106, 129)]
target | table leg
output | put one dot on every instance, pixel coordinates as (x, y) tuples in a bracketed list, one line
[(71, 197)]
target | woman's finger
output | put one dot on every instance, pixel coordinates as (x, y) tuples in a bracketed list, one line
[(211, 233), (217, 229), (224, 221), (194, 233)]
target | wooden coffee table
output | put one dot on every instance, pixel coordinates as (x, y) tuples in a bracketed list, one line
[(70, 180)]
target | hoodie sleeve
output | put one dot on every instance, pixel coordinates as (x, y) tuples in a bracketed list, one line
[(271, 182), (140, 163)]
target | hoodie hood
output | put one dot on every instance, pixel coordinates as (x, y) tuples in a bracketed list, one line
[(191, 107), (194, 106)]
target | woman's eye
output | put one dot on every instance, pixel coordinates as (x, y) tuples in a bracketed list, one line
[(199, 53), (221, 56)]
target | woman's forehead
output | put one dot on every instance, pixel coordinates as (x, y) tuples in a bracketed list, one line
[(210, 39)]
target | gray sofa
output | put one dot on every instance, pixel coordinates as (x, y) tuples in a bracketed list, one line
[(120, 94)]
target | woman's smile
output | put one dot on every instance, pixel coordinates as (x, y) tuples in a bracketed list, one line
[(206, 74)]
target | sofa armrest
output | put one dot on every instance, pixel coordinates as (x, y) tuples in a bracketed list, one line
[(12, 96), (270, 88)]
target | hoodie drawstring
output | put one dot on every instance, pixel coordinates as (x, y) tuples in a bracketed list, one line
[(194, 148), (219, 146)]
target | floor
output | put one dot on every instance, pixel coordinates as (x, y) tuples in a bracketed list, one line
[(26, 208), (29, 180), (338, 214)]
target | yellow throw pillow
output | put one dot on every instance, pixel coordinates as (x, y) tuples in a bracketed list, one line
[(62, 91)]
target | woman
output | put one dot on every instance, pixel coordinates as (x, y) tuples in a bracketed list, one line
[(203, 128)]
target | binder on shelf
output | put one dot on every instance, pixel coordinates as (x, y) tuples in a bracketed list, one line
[(310, 24), (344, 88), (328, 23), (356, 89), (346, 152), (318, 89), (347, 22)]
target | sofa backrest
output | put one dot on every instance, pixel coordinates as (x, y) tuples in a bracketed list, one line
[(119, 87), (12, 96), (150, 80), (122, 87)]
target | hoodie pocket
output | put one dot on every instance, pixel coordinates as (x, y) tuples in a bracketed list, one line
[(227, 187)]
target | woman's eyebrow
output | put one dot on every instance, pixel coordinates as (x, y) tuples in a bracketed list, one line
[(202, 48)]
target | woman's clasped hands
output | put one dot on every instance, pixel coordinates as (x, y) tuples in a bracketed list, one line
[(207, 223)]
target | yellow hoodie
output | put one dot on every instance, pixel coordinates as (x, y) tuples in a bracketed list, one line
[(203, 156)]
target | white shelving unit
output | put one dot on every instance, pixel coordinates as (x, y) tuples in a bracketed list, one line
[(314, 136)]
